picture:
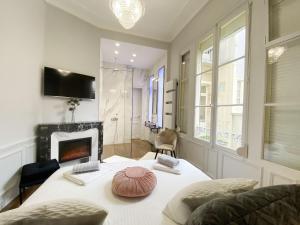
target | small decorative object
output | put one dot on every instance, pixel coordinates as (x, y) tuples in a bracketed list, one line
[(242, 151), (73, 103), (134, 182)]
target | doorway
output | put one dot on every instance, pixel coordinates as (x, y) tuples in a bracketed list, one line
[(124, 97), (137, 113)]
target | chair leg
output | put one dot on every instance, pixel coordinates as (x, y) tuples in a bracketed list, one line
[(20, 195), (157, 150), (174, 154)]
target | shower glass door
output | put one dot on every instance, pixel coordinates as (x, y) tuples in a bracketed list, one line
[(116, 110)]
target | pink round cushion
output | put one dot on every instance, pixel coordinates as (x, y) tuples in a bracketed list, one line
[(133, 182)]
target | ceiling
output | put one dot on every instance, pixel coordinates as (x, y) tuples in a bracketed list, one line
[(145, 58), (163, 19)]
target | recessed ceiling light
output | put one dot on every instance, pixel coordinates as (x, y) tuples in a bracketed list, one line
[(116, 52), (117, 44), (134, 55), (131, 60)]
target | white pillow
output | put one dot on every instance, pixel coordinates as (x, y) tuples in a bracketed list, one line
[(201, 192), (62, 212)]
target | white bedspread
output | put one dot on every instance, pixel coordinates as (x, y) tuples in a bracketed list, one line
[(122, 211)]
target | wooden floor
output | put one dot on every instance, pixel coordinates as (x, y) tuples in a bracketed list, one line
[(15, 203), (136, 149)]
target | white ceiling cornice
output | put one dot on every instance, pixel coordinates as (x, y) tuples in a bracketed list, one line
[(186, 15), (163, 20)]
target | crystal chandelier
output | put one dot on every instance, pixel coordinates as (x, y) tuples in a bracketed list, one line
[(128, 12)]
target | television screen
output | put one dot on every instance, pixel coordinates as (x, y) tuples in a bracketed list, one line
[(64, 83)]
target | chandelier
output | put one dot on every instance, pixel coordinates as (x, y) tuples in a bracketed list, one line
[(128, 12)]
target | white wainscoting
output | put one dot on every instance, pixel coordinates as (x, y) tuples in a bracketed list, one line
[(12, 158), (192, 152), (276, 179), (212, 163), (223, 164), (234, 166)]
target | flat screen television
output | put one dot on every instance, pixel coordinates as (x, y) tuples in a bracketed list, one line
[(62, 83)]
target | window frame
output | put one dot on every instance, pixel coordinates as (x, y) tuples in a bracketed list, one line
[(162, 68), (269, 44), (215, 32), (203, 38), (179, 93), (150, 102)]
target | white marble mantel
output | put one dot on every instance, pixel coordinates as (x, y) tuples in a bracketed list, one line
[(56, 137)]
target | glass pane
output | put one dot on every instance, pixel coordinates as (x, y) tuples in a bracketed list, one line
[(203, 89), (160, 99), (182, 94), (205, 55), (233, 39), (284, 17), (283, 73), (185, 63), (183, 90), (202, 123), (154, 97), (116, 105), (282, 136), (150, 98), (229, 126), (183, 121), (231, 83)]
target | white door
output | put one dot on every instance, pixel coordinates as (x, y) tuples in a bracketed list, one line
[(136, 113)]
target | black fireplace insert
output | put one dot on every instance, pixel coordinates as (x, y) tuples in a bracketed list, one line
[(74, 149)]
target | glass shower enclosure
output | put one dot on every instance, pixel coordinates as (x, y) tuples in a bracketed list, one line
[(116, 100)]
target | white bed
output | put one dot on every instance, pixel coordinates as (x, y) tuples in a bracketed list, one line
[(122, 211)]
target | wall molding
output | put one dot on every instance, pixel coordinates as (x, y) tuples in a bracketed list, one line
[(211, 169), (12, 158), (286, 180), (6, 150), (257, 170)]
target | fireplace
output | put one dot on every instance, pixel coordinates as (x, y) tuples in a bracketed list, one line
[(69, 150), (49, 136)]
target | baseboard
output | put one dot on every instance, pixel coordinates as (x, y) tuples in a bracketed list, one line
[(8, 196), (12, 158)]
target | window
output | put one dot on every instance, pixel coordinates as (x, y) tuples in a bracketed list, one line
[(284, 18), (183, 92), (220, 84), (160, 99), (282, 108), (154, 96), (231, 73), (203, 107), (150, 97)]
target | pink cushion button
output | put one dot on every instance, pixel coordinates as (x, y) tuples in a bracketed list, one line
[(133, 182)]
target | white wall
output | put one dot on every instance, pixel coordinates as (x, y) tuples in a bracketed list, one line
[(219, 164), (74, 45), (21, 58)]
